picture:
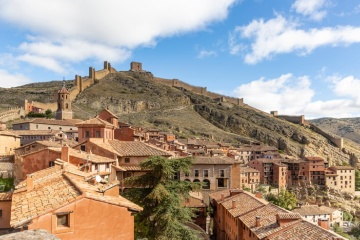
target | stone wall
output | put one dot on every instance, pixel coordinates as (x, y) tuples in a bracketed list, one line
[(200, 90), (338, 141)]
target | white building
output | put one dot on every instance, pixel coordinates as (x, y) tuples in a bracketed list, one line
[(312, 213)]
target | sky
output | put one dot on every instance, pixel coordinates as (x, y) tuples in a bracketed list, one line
[(298, 57)]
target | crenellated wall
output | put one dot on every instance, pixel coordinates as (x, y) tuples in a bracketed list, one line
[(199, 90), (338, 141)]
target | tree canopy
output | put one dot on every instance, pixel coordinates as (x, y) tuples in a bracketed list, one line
[(162, 196), (284, 199)]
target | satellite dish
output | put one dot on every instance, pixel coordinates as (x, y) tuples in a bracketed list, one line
[(98, 178)]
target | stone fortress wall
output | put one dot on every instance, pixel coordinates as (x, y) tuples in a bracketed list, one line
[(337, 141)]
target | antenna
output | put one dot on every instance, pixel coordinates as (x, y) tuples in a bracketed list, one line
[(98, 178)]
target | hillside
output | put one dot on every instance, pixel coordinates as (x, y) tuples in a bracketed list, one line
[(140, 100), (345, 127)]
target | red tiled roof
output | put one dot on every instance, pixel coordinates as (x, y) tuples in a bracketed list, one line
[(65, 122), (313, 210), (63, 90), (218, 160), (9, 133), (95, 121), (341, 167), (314, 159), (55, 187), (244, 202), (304, 230), (135, 148), (35, 132), (6, 196), (217, 195)]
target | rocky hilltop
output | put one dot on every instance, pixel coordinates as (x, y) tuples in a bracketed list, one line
[(345, 127), (139, 99)]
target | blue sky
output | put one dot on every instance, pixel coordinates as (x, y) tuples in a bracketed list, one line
[(297, 57)]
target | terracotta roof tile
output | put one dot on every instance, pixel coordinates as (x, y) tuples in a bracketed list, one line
[(267, 214), (95, 121), (249, 170), (9, 133), (55, 187), (341, 167), (217, 195), (304, 230), (313, 210), (214, 160), (65, 122), (6, 196), (63, 90), (244, 202), (35, 132), (135, 148)]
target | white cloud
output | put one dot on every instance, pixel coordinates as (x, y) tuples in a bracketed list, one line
[(310, 8), (205, 54), (8, 80), (294, 96), (68, 30), (279, 36), (286, 94)]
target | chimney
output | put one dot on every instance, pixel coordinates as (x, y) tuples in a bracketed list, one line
[(233, 192), (233, 204), (113, 191), (258, 195), (257, 221), (324, 223), (116, 159), (29, 182), (222, 197), (65, 153)]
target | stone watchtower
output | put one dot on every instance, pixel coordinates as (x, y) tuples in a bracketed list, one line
[(64, 104)]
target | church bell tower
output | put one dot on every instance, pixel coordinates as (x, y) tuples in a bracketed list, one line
[(64, 104)]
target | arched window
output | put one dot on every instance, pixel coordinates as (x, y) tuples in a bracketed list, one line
[(66, 105), (206, 184), (196, 180)]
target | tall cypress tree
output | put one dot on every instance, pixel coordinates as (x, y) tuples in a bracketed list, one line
[(161, 197)]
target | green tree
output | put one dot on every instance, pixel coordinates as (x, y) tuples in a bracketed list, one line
[(347, 216), (48, 113), (162, 197), (6, 184), (357, 180), (284, 199)]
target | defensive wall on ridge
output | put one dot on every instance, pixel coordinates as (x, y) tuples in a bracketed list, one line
[(200, 90), (337, 141)]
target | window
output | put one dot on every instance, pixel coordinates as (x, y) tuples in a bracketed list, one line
[(83, 148), (97, 134), (127, 160), (51, 164), (107, 165), (187, 174), (206, 173), (128, 174), (196, 173), (87, 134), (222, 173), (63, 220), (37, 126), (96, 167), (0, 213)]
